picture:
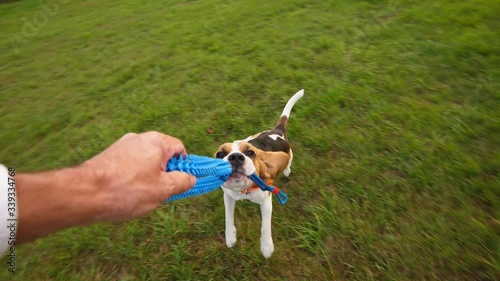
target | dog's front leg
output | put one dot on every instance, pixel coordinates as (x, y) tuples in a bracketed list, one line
[(229, 204), (266, 239)]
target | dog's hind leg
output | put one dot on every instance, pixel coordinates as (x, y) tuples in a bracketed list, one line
[(229, 204), (288, 169), (266, 239)]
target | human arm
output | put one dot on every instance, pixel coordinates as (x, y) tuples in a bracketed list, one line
[(125, 181)]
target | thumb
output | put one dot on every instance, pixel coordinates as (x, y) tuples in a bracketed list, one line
[(177, 182)]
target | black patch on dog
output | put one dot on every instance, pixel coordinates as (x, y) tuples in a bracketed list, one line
[(264, 142)]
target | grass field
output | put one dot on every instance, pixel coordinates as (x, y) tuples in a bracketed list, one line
[(396, 141)]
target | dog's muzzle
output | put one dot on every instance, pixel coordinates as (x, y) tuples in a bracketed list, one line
[(236, 160)]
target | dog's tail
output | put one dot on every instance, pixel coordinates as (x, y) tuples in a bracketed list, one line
[(281, 125), (291, 102)]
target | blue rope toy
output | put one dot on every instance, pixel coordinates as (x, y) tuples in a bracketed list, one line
[(210, 174)]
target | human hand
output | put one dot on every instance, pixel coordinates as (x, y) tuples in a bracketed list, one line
[(131, 177)]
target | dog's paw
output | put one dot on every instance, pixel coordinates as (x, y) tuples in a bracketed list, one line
[(231, 237), (267, 247)]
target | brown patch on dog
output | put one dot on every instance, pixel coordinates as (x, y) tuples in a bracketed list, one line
[(275, 162)]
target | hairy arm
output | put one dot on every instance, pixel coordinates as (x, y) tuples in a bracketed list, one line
[(125, 181)]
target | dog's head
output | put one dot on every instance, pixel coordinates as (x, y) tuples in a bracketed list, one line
[(246, 159)]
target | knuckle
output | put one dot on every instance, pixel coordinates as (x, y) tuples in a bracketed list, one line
[(152, 133), (128, 135)]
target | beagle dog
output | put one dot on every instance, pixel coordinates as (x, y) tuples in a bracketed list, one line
[(267, 153)]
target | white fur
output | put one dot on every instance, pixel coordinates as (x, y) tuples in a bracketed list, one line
[(264, 199), (288, 170), (291, 102), (276, 136)]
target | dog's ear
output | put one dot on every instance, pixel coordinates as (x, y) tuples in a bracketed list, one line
[(275, 162), (262, 169)]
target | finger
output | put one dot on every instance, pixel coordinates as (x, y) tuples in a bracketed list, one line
[(176, 182), (173, 146), (128, 136), (170, 146)]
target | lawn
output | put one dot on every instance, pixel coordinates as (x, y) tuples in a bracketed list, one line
[(396, 141)]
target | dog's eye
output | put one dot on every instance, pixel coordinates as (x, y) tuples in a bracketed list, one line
[(220, 154), (250, 153)]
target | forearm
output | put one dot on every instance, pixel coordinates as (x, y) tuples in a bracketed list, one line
[(55, 200), (125, 181)]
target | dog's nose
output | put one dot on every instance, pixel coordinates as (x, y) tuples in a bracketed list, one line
[(236, 159)]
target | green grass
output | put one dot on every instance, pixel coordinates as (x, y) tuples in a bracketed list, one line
[(396, 142)]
